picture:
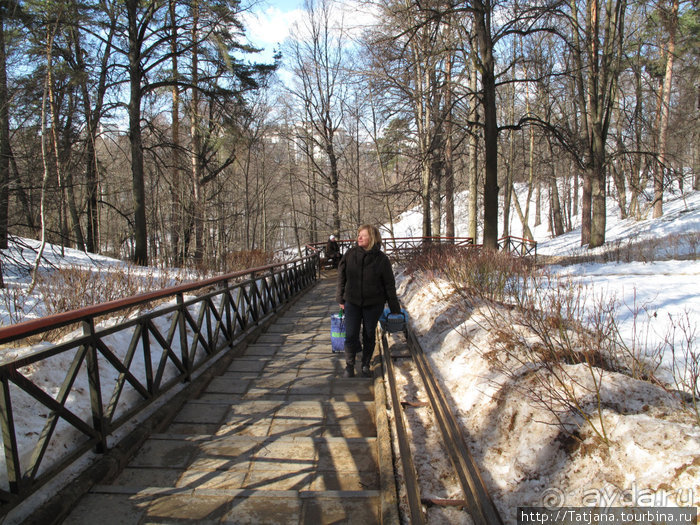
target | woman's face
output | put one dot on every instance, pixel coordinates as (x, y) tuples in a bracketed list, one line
[(363, 239)]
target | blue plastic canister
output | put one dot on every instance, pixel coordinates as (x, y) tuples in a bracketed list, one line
[(393, 322)]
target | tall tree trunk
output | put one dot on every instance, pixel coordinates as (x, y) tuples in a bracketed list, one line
[(195, 117), (92, 111), (507, 194), (665, 110), (65, 178), (525, 216), (358, 166), (436, 193), (140, 255), (696, 156), (45, 166), (635, 175), (382, 168), (420, 56), (176, 224), (92, 241), (248, 206), (5, 151), (473, 156), (556, 214), (292, 191), (423, 118), (586, 207), (449, 177), (576, 192), (598, 207), (448, 155), (580, 96), (425, 200), (482, 22), (335, 178), (436, 153), (604, 30)]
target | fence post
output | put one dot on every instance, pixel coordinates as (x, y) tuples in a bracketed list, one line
[(227, 312), (93, 373), (9, 437), (184, 348)]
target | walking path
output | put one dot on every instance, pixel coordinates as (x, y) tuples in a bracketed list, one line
[(280, 437)]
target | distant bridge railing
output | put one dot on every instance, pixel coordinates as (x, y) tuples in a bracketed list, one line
[(518, 246), (404, 247), (108, 373)]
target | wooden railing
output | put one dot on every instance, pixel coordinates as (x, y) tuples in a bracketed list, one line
[(403, 247), (518, 246), (116, 370)]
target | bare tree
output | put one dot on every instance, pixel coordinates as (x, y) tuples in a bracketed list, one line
[(5, 151), (318, 54)]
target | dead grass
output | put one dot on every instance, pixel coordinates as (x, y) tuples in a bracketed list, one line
[(552, 330)]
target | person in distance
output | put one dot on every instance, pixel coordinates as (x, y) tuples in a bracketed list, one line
[(365, 283), (332, 251)]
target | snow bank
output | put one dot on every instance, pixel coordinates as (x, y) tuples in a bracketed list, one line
[(525, 458)]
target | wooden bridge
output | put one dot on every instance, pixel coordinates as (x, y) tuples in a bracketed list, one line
[(278, 437)]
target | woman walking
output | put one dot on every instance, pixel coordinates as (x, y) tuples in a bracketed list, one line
[(365, 283)]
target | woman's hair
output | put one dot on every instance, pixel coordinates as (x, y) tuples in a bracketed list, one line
[(374, 235)]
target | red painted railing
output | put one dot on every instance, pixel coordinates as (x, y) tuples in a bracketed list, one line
[(401, 247), (150, 354)]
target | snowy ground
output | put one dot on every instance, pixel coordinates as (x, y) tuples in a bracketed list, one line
[(525, 457), (653, 456)]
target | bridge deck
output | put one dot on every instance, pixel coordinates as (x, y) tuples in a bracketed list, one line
[(280, 437)]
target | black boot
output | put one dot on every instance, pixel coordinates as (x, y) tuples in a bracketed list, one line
[(349, 363)]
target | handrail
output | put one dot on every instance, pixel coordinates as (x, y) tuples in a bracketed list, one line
[(516, 246), (32, 327), (114, 371)]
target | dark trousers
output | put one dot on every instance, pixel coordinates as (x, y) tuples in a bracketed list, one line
[(356, 317)]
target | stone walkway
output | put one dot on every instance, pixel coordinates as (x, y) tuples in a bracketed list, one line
[(280, 437)]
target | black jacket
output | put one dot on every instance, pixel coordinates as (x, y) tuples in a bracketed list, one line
[(332, 249), (365, 278)]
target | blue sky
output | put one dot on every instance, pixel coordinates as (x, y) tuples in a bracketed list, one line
[(268, 23)]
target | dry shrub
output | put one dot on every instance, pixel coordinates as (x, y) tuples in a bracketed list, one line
[(564, 340), (16, 302), (541, 329), (430, 256), (681, 341), (71, 288), (547, 332), (242, 260), (474, 271)]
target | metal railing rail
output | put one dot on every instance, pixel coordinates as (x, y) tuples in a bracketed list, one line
[(171, 341), (476, 500), (410, 475)]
